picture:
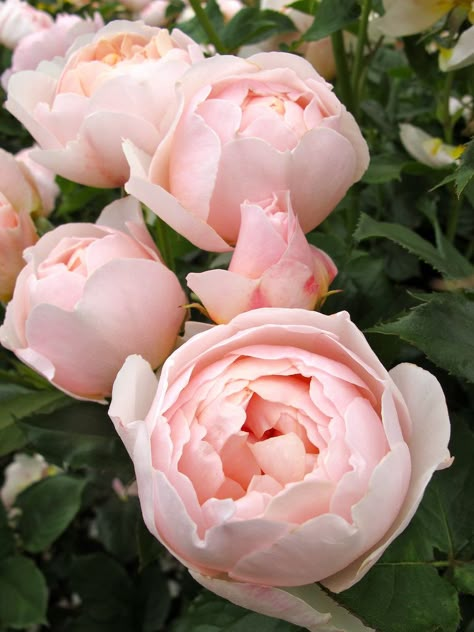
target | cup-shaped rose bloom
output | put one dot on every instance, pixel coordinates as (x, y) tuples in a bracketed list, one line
[(277, 451), (114, 84), (244, 129), (18, 199), (18, 19), (90, 295), (273, 265)]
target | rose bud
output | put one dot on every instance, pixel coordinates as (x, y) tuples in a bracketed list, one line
[(273, 265)]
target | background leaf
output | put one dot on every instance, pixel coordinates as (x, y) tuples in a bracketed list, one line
[(23, 593), (47, 508), (442, 329)]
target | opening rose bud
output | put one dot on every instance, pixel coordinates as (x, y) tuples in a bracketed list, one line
[(89, 296), (273, 265), (277, 450)]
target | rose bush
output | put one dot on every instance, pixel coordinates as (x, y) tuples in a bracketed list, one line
[(273, 265), (277, 451), (114, 84), (243, 130), (90, 295)]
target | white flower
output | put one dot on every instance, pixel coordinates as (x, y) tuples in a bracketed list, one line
[(427, 149), (461, 55)]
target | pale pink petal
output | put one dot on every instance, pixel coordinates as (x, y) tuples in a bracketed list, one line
[(326, 181), (426, 402), (132, 395), (306, 606), (213, 285)]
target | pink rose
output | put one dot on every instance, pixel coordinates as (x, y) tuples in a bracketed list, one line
[(50, 42), (117, 84), (42, 179), (18, 19), (18, 199), (244, 129), (90, 295), (272, 266), (154, 13), (277, 451)]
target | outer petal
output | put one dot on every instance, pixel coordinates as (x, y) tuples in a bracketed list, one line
[(126, 325), (223, 293), (427, 405), (326, 180), (166, 206), (306, 606), (132, 395)]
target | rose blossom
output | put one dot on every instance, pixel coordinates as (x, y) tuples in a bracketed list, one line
[(51, 42), (19, 198), (244, 129), (273, 265), (277, 451), (90, 295), (19, 19), (114, 84)]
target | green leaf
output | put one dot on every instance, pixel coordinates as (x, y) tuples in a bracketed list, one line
[(81, 434), (451, 267), (305, 6), (7, 541), (465, 172), (17, 402), (12, 438), (250, 25), (153, 598), (209, 613), (149, 549), (463, 578), (116, 520), (332, 16), (404, 598), (384, 168), (194, 29), (48, 507), (442, 329), (23, 593), (105, 590)]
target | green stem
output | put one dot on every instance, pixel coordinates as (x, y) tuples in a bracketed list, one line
[(343, 78), (207, 25), (453, 218), (446, 115), (359, 53), (164, 246)]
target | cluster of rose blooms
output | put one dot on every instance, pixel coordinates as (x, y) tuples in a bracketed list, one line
[(275, 450)]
